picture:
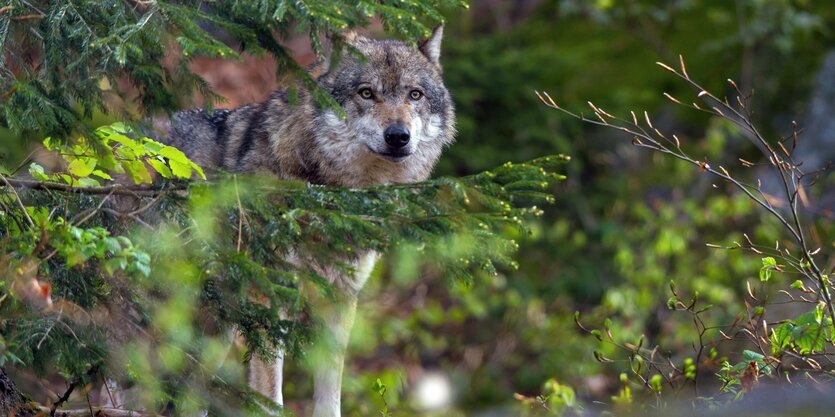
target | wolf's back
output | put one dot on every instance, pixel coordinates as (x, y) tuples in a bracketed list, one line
[(199, 135), (220, 139)]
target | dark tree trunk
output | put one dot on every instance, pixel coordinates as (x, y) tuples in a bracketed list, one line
[(11, 401)]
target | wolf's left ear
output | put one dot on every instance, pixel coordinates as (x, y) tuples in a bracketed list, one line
[(431, 47)]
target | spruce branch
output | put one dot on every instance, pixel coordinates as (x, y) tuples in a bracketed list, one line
[(114, 189)]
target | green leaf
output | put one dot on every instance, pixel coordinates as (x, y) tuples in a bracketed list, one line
[(198, 170), (805, 318), (769, 264), (82, 167), (174, 154), (810, 338), (781, 338), (137, 171), (108, 161), (819, 313), (655, 383), (378, 387), (37, 172), (112, 245), (798, 285), (143, 268), (751, 356), (180, 169), (87, 182), (160, 167), (101, 174)]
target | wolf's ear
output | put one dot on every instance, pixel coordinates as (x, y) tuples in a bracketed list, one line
[(347, 38), (350, 36), (431, 46)]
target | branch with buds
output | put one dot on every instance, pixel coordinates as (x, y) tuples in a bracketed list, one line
[(778, 154), (779, 158)]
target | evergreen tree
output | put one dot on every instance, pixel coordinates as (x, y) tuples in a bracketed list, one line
[(141, 283)]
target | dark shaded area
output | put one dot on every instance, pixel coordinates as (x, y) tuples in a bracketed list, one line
[(12, 403)]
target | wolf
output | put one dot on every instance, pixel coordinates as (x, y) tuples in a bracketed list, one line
[(398, 117)]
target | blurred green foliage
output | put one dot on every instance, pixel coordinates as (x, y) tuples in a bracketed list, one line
[(625, 223)]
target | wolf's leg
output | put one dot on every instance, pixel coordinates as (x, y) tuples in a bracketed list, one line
[(111, 395), (337, 318), (267, 378)]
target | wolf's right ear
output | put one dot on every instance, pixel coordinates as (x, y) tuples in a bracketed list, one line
[(337, 52), (431, 47)]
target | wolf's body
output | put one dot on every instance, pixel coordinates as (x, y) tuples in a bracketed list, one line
[(399, 117)]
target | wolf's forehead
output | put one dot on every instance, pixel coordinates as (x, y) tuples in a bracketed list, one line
[(392, 64)]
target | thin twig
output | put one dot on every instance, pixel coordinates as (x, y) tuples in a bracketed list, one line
[(111, 412), (116, 189), (8, 183), (62, 399)]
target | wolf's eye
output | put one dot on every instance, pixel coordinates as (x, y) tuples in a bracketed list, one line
[(415, 95), (366, 93)]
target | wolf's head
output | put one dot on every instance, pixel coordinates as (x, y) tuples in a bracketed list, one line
[(399, 114)]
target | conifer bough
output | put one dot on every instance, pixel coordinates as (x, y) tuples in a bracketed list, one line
[(94, 290), (57, 55)]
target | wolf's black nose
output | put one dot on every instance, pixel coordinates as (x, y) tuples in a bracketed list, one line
[(396, 136)]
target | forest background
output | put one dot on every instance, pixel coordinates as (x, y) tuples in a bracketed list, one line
[(626, 222)]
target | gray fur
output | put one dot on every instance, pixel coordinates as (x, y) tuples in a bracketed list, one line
[(309, 143)]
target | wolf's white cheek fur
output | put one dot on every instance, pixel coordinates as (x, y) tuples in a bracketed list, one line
[(426, 132), (433, 128), (332, 120), (368, 130)]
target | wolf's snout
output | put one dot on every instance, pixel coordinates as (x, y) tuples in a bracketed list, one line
[(397, 136)]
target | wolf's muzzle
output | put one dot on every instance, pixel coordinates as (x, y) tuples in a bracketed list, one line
[(397, 136)]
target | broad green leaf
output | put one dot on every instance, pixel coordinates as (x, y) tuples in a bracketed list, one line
[(153, 147), (143, 267), (75, 257), (112, 244), (810, 338), (82, 167), (819, 313), (805, 318), (137, 171), (769, 264), (198, 170), (116, 127), (37, 172), (751, 356), (87, 182), (781, 338), (101, 174), (129, 143), (108, 161), (126, 153), (174, 154), (180, 169), (160, 167)]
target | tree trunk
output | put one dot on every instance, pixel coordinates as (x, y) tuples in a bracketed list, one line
[(11, 401)]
